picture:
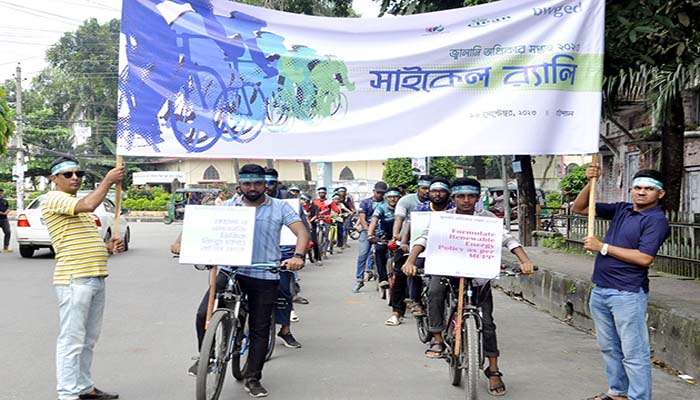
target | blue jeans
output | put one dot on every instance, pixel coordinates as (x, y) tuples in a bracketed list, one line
[(364, 258), (284, 296), (623, 338), (80, 306)]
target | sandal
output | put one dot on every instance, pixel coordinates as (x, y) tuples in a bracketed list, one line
[(300, 300), (602, 396), (493, 390), (432, 352)]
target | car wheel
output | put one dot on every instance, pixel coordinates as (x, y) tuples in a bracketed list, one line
[(127, 238), (26, 251)]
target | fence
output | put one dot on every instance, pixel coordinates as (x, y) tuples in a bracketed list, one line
[(678, 255)]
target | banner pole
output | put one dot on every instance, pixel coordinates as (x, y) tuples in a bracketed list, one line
[(460, 308), (118, 201), (591, 200), (212, 294)]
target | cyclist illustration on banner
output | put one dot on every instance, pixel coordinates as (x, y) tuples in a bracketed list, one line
[(170, 84)]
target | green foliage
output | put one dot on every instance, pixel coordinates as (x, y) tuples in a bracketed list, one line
[(398, 171), (442, 167), (7, 127), (146, 199), (573, 182), (556, 242), (553, 200)]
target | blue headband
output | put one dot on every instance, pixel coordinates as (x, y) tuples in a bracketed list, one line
[(251, 178), (646, 181), (392, 193), (468, 189), (64, 165), (423, 183), (270, 178), (439, 186)]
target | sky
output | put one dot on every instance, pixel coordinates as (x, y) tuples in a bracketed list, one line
[(29, 28)]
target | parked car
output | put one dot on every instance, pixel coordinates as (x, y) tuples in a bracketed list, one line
[(32, 233)]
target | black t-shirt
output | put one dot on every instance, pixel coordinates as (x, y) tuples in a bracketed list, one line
[(4, 205)]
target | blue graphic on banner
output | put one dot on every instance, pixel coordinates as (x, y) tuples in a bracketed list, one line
[(206, 77)]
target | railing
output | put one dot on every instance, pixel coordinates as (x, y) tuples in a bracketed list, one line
[(678, 255)]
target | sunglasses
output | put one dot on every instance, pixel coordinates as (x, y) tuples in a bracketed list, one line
[(69, 175)]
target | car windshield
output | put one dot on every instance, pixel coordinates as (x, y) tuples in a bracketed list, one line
[(35, 204)]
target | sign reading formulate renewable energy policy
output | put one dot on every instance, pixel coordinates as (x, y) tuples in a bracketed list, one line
[(221, 79)]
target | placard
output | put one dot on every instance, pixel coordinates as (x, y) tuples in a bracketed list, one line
[(420, 220), (214, 235), (464, 245), (287, 237)]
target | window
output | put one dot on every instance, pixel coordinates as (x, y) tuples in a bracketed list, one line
[(346, 174), (211, 174)]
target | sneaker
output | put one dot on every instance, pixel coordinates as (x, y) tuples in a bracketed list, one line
[(293, 316), (254, 388), (384, 284), (357, 287), (193, 369), (289, 341), (393, 321), (7, 250)]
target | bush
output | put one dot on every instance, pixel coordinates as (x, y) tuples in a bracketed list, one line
[(146, 199), (574, 182), (553, 200)]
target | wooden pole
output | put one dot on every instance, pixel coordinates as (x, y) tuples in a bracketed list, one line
[(212, 294), (460, 309), (118, 202), (591, 200)]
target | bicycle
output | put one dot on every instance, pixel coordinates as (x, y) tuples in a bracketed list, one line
[(351, 227), (464, 340), (226, 338), (424, 334), (332, 235), (323, 229), (391, 245)]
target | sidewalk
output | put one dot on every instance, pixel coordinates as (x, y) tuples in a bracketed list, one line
[(562, 287)]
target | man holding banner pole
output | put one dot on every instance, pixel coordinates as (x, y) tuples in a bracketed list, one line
[(618, 301), (465, 194)]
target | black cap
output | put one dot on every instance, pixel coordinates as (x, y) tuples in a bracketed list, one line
[(380, 187)]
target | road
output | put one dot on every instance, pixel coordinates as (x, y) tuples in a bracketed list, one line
[(348, 353)]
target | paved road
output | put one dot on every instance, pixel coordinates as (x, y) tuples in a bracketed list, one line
[(348, 353)]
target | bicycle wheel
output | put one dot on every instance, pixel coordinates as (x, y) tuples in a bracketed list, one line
[(239, 357), (212, 357), (424, 334), (471, 358), (272, 339), (332, 231), (450, 335)]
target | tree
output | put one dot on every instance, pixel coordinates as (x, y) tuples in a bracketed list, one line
[(574, 182), (442, 167), (398, 171), (7, 127)]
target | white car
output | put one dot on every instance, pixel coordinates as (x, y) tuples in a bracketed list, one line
[(32, 233)]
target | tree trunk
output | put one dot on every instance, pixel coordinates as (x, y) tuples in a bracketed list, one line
[(528, 198), (307, 171), (672, 155), (479, 167)]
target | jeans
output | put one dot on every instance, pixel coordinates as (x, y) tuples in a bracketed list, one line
[(437, 290), (81, 307), (623, 338), (5, 225), (363, 257), (381, 258), (283, 309)]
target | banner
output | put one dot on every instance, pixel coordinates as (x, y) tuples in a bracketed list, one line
[(218, 79), (287, 237), (464, 245)]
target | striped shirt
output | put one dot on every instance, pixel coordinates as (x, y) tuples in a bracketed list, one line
[(269, 218), (80, 251)]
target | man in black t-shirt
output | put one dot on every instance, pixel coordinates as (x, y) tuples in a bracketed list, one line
[(4, 222)]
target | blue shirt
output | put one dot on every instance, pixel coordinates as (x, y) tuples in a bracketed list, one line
[(269, 218), (368, 206), (644, 231), (385, 216), (425, 206)]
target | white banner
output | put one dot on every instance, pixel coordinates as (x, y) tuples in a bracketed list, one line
[(231, 80), (420, 220), (217, 235), (464, 245), (287, 237)]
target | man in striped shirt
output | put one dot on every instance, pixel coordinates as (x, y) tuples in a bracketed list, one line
[(79, 277)]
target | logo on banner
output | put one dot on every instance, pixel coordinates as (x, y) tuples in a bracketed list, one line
[(557, 12), (435, 29), (481, 22)]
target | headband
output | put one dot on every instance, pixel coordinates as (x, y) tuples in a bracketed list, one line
[(467, 189), (251, 178), (392, 193), (439, 186), (270, 178), (64, 165), (423, 183), (646, 181)]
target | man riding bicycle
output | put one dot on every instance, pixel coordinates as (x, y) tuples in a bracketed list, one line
[(364, 258), (465, 194)]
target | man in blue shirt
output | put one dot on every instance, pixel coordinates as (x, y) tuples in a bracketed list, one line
[(619, 300), (364, 258)]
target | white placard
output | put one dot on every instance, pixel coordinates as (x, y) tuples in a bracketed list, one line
[(214, 235), (287, 237), (420, 220), (464, 245)]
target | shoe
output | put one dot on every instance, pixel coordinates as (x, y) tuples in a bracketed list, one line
[(393, 321), (254, 388), (369, 276), (300, 300), (418, 310), (384, 284), (294, 317), (8, 250), (319, 263), (289, 341), (357, 287), (193, 369), (98, 394)]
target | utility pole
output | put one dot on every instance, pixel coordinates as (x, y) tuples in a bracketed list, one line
[(19, 162)]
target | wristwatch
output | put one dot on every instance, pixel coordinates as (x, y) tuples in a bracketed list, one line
[(604, 249)]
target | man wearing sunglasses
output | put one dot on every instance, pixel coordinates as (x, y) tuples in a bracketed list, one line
[(79, 277)]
